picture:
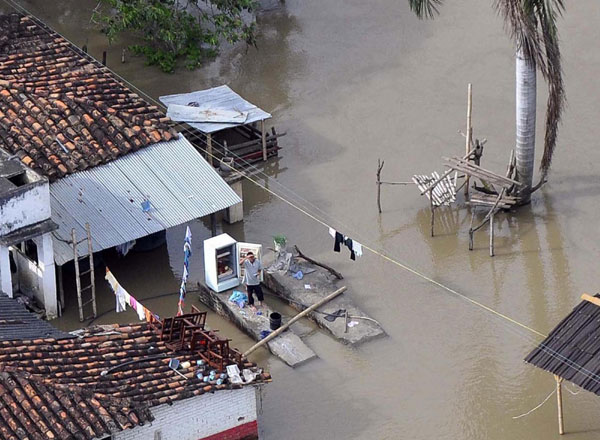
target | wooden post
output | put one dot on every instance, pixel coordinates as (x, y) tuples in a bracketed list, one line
[(431, 207), (264, 139), (104, 58), (294, 319), (77, 280), (469, 131), (123, 56), (379, 168), (471, 229), (492, 235), (561, 424), (346, 319), (209, 152)]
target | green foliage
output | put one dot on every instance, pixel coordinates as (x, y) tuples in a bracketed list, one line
[(174, 30)]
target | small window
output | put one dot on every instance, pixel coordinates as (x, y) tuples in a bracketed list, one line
[(19, 179)]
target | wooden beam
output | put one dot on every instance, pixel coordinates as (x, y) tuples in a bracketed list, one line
[(294, 319), (591, 299)]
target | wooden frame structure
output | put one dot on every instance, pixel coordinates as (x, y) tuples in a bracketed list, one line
[(188, 332)]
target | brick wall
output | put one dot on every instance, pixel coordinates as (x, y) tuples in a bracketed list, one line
[(231, 412)]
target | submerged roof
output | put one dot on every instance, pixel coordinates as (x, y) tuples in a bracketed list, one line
[(179, 184), (572, 350), (16, 322), (60, 110), (217, 98), (102, 382)]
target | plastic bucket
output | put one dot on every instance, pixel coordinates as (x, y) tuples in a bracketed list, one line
[(274, 321)]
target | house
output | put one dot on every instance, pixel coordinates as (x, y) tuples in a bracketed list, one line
[(116, 382), (25, 216), (112, 160)]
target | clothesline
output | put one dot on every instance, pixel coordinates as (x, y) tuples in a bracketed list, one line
[(123, 299), (354, 246)]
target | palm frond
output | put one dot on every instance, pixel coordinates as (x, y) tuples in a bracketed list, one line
[(427, 8), (547, 15), (521, 25)]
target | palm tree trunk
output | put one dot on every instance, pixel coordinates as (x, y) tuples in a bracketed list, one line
[(526, 109)]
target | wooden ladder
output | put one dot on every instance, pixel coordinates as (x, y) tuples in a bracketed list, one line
[(80, 275)]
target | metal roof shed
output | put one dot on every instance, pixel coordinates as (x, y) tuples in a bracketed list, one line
[(572, 350), (219, 98), (179, 184)]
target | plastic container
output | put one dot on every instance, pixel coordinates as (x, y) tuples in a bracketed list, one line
[(274, 320)]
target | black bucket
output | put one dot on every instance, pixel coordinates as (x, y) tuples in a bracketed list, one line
[(274, 320)]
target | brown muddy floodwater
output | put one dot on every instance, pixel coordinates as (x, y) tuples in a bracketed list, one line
[(352, 81)]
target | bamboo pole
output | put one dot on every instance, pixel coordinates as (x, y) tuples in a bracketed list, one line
[(561, 423), (492, 235), (431, 207), (443, 176), (294, 319), (469, 129), (380, 164)]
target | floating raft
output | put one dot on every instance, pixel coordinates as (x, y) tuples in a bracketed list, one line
[(322, 283), (288, 346)]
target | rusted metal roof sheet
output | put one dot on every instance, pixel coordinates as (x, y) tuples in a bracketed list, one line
[(572, 349), (18, 323), (217, 98), (180, 185)]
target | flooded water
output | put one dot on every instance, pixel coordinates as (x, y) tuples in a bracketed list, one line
[(353, 81)]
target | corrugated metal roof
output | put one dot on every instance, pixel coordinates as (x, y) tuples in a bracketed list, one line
[(572, 349), (16, 323), (179, 183), (222, 98)]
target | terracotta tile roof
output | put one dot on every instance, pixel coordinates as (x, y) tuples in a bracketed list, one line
[(104, 381), (60, 110)]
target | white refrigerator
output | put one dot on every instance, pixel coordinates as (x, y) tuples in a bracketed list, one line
[(222, 256)]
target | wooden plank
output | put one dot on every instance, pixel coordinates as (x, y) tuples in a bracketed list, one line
[(590, 298), (475, 168)]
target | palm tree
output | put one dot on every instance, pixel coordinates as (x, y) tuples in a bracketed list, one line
[(531, 24)]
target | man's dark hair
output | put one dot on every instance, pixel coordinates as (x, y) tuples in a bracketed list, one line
[(250, 253)]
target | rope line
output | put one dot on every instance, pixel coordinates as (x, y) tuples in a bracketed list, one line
[(381, 254), (537, 407)]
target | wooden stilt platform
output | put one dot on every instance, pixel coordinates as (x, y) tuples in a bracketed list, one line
[(288, 346)]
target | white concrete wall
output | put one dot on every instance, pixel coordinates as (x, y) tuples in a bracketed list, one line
[(198, 417), (30, 207)]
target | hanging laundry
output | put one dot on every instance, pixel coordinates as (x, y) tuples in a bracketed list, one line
[(348, 243), (339, 239), (357, 248), (123, 298), (187, 252)]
